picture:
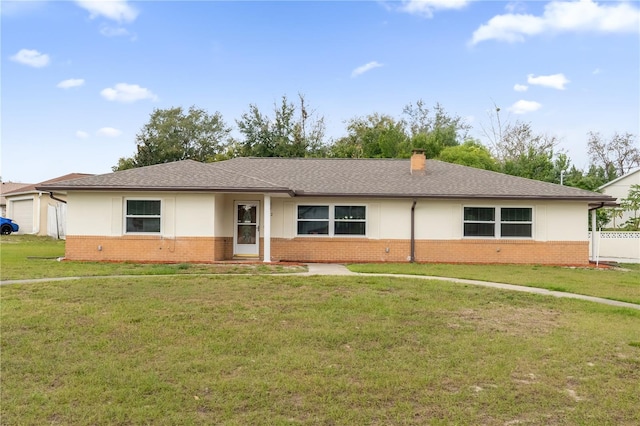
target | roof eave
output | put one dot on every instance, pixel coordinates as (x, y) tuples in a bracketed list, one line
[(605, 199), (165, 189)]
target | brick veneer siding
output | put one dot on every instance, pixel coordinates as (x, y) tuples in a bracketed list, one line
[(208, 249), (443, 251), (144, 248)]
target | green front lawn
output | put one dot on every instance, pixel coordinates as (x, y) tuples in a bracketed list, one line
[(279, 350), (26, 257), (612, 284)]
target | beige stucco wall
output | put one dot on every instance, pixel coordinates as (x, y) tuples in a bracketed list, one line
[(442, 220), (561, 221), (183, 215), (620, 188), (209, 215)]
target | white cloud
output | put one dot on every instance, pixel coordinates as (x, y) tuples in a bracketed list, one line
[(72, 82), (116, 10), (426, 8), (520, 87), (523, 107), (515, 6), (555, 81), (33, 58), (80, 134), (596, 71), (108, 31), (562, 16), (109, 132), (127, 93), (364, 68)]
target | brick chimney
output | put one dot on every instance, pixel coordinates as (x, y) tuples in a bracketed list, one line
[(418, 162)]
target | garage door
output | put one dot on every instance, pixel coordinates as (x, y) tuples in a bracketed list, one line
[(23, 215)]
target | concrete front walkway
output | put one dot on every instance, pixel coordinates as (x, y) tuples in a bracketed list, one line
[(339, 270), (327, 269)]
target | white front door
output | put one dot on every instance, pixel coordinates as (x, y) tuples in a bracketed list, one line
[(246, 233)]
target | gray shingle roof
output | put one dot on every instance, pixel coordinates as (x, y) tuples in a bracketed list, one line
[(26, 188), (187, 175), (331, 177)]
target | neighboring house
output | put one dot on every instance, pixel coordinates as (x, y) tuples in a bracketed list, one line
[(39, 212), (619, 189), (8, 187), (325, 210)]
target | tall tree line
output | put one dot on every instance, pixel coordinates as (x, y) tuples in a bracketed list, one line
[(295, 129)]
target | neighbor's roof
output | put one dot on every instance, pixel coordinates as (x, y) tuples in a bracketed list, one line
[(7, 187), (330, 177), (30, 188)]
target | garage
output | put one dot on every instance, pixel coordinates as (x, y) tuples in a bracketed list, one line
[(22, 214)]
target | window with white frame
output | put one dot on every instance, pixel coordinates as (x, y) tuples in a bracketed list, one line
[(498, 222), (143, 216), (332, 220), (516, 222)]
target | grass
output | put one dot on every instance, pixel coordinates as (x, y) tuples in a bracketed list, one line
[(290, 350), (27, 257), (615, 284)]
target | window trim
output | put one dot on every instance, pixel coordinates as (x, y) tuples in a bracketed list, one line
[(127, 216), (498, 222), (331, 221)]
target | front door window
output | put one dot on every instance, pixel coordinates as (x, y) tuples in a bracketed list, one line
[(247, 238)]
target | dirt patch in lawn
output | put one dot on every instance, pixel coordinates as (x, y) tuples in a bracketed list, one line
[(514, 321)]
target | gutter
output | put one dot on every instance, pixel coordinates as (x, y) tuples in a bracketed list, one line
[(412, 257), (50, 188), (606, 199)]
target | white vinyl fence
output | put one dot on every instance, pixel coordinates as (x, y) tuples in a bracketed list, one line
[(615, 245), (57, 221)]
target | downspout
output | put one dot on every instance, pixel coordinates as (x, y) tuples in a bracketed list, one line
[(36, 229), (412, 258), (57, 199)]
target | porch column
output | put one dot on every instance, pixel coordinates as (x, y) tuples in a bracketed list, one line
[(267, 229), (593, 235)]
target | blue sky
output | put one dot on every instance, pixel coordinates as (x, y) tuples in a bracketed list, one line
[(79, 79)]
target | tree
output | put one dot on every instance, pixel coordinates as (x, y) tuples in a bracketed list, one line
[(171, 135), (470, 153), (531, 165), (512, 140), (374, 136), (521, 151), (292, 132), (434, 132), (617, 156), (519, 139), (594, 178), (632, 204)]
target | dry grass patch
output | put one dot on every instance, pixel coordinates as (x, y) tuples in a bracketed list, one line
[(514, 321)]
